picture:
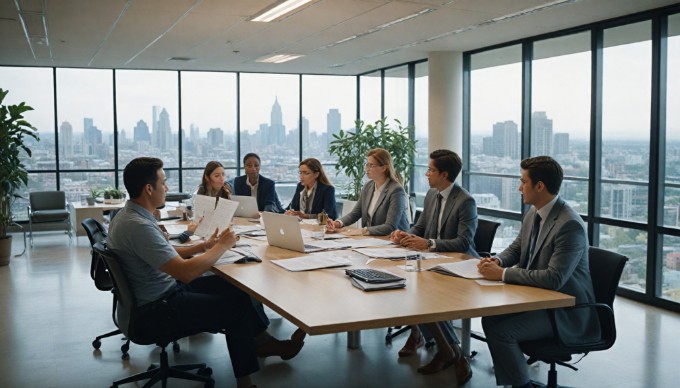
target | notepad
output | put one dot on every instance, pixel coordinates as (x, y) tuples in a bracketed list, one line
[(464, 268)]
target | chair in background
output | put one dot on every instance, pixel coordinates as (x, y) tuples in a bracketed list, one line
[(100, 275), (605, 271), (486, 232), (126, 315), (48, 207)]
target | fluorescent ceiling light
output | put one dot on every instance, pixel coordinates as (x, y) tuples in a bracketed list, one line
[(279, 10), (279, 58)]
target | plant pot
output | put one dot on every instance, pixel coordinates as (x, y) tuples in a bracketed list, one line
[(90, 201), (113, 201), (5, 250)]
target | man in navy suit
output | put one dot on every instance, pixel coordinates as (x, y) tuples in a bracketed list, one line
[(551, 251), (255, 185)]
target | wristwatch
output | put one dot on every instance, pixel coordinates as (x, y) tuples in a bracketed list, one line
[(430, 243)]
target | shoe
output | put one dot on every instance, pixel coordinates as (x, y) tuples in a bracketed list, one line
[(298, 336), (411, 345), (285, 349), (437, 364), (463, 371)]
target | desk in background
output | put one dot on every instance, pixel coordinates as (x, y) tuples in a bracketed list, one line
[(79, 212)]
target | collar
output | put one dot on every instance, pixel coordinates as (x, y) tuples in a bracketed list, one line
[(447, 191), (544, 212), (256, 183), (382, 188), (140, 210)]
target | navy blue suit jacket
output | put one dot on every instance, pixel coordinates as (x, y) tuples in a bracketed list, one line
[(324, 199), (267, 198)]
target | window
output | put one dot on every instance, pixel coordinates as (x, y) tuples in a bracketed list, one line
[(328, 105), (370, 96), (148, 110), (208, 124), (495, 127), (671, 210), (421, 102), (396, 95), (85, 130), (560, 121), (270, 116)]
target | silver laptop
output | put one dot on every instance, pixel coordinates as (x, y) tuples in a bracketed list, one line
[(247, 206), (283, 231)]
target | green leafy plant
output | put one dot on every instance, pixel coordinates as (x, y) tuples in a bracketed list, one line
[(112, 193), (351, 147), (14, 131), (95, 192)]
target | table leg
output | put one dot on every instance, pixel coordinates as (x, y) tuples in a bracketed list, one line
[(465, 334), (24, 232), (354, 339)]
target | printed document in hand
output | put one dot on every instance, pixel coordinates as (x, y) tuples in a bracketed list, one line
[(314, 261), (220, 218), (464, 268), (203, 205)]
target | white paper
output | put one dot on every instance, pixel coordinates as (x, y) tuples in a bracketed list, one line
[(485, 282), (388, 253), (365, 242), (313, 261), (464, 268), (220, 218), (203, 205)]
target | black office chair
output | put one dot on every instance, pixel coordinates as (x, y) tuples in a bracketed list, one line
[(100, 275), (126, 318), (486, 232), (605, 270), (48, 206)]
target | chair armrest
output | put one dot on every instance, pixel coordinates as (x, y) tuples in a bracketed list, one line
[(607, 325)]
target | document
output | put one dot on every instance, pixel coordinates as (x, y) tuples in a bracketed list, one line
[(387, 253), (364, 242), (220, 218), (464, 268), (313, 261), (203, 205)]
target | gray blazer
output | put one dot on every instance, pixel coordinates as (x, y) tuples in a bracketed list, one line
[(390, 211), (559, 262), (459, 222)]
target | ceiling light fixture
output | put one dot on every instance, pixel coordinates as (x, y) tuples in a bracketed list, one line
[(278, 10), (278, 58)]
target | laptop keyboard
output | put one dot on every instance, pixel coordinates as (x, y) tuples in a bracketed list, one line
[(372, 275)]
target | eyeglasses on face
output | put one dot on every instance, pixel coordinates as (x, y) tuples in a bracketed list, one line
[(431, 170), (371, 165), (305, 173)]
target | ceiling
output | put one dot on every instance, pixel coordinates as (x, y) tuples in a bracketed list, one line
[(217, 35)]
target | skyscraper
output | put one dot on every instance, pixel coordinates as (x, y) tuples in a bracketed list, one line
[(561, 144), (154, 125), (141, 132), (66, 137), (541, 134), (277, 131), (332, 124), (164, 132), (92, 136), (505, 140), (216, 137)]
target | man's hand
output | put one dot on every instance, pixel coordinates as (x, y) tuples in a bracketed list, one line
[(210, 241), (298, 213), (397, 235), (414, 242), (490, 268)]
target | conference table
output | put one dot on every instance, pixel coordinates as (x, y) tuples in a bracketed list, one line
[(324, 301)]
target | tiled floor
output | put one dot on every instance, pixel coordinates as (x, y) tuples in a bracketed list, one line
[(50, 312)]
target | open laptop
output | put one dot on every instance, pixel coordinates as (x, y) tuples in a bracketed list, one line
[(247, 206), (283, 231)]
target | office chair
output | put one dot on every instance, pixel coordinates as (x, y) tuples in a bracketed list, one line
[(97, 234), (126, 316), (486, 232), (48, 206), (605, 271)]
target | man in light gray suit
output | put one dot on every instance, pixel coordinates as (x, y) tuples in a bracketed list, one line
[(447, 224), (550, 252)]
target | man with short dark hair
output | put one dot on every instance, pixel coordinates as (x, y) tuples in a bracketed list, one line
[(160, 274), (551, 251), (447, 224)]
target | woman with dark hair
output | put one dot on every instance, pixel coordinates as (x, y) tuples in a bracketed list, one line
[(314, 193), (213, 183), (382, 203)]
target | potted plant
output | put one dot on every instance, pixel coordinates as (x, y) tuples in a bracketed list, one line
[(112, 195), (351, 148), (94, 194), (13, 174)]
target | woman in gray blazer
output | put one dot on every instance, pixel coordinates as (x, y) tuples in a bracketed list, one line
[(382, 203)]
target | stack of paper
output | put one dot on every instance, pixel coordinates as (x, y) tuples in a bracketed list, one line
[(465, 269)]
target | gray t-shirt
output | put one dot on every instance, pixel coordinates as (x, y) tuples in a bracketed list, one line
[(136, 238)]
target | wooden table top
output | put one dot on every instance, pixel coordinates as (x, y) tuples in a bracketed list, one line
[(324, 301)]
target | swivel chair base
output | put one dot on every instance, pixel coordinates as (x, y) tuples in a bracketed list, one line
[(165, 371)]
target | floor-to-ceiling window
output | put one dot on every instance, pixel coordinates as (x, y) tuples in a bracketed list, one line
[(496, 134), (147, 104), (85, 125), (420, 122), (626, 101), (670, 252), (208, 124), (370, 96), (270, 115), (560, 110)]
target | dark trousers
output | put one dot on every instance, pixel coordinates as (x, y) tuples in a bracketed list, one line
[(211, 304)]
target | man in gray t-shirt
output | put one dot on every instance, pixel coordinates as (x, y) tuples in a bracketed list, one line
[(161, 275)]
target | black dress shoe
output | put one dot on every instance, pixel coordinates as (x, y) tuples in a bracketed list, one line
[(285, 349), (411, 346), (437, 364)]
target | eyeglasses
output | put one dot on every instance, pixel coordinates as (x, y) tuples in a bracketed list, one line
[(431, 170), (305, 173), (371, 165)]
